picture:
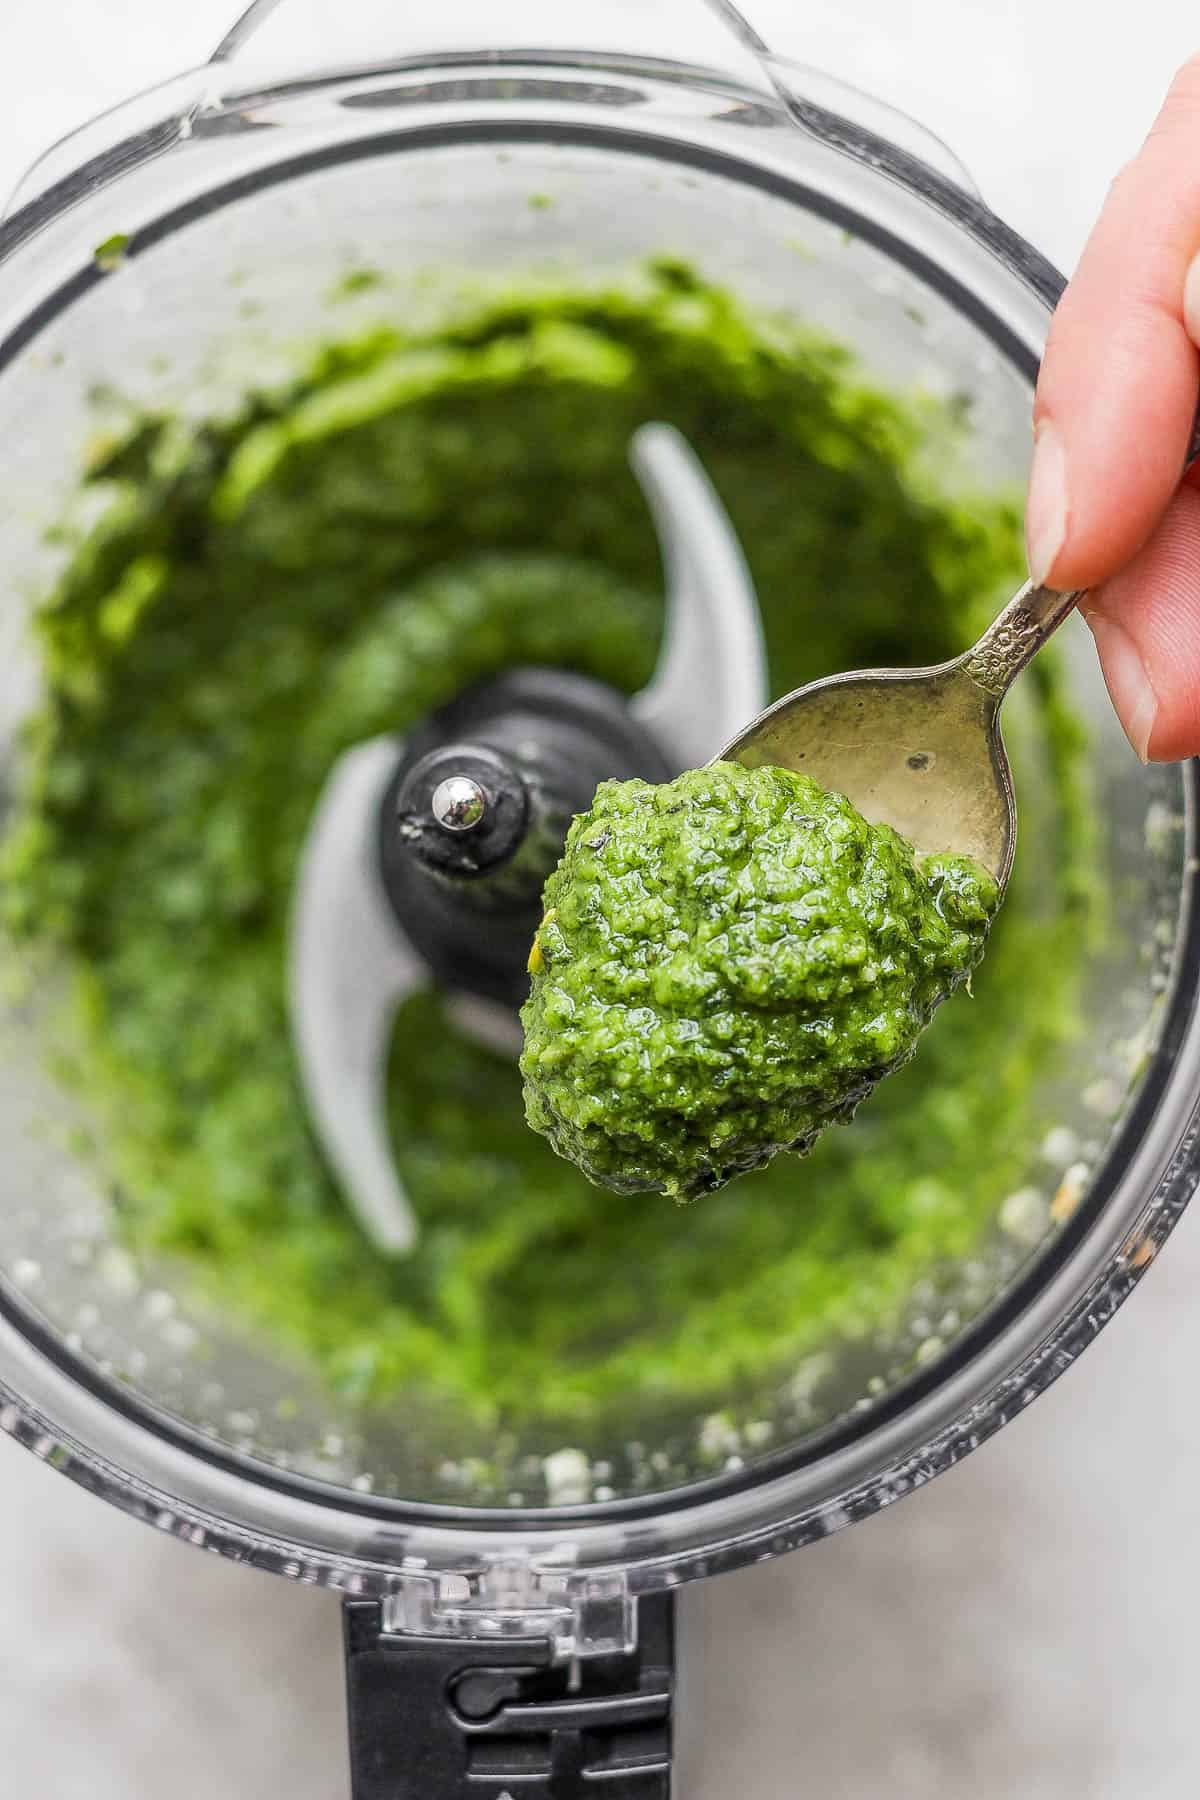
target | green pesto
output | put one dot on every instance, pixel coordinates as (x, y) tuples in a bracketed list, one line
[(730, 962), (266, 590), (111, 253)]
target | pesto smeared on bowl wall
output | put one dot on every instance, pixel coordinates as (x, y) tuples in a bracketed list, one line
[(410, 515), (730, 962)]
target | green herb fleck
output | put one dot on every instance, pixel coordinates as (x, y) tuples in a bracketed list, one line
[(112, 252)]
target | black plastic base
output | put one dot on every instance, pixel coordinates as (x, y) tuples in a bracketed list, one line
[(452, 1719), (538, 741)]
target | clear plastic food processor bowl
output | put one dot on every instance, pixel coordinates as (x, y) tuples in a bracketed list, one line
[(240, 196)]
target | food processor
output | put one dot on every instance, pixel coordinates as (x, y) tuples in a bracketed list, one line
[(509, 1604)]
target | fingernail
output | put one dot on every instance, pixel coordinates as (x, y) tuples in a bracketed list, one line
[(1046, 507), (1127, 680), (1191, 299)]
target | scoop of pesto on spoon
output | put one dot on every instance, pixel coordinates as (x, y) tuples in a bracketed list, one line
[(729, 962)]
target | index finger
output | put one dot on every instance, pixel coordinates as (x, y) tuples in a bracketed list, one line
[(1116, 397)]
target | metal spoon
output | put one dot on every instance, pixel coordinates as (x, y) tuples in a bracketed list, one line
[(921, 749)]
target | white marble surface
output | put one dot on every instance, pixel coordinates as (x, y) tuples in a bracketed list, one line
[(1022, 1630)]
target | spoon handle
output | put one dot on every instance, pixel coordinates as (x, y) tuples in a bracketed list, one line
[(1016, 634), (1033, 615)]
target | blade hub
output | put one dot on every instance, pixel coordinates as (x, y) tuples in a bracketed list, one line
[(458, 803)]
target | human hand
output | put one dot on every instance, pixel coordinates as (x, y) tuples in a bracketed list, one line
[(1115, 407)]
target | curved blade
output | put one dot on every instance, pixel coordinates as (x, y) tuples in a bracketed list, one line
[(711, 678), (349, 968)]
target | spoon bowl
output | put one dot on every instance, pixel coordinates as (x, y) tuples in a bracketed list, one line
[(921, 749), (918, 749)]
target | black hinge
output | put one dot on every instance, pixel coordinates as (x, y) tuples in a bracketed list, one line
[(457, 1719)]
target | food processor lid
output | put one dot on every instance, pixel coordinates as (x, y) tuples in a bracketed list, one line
[(598, 1556)]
